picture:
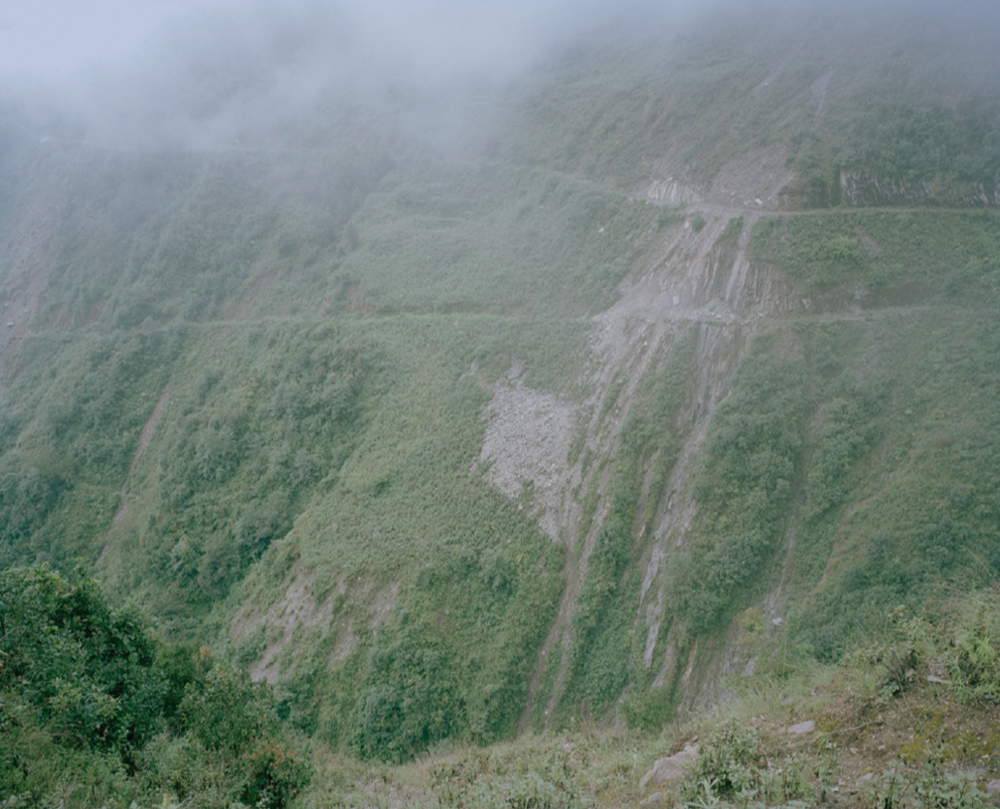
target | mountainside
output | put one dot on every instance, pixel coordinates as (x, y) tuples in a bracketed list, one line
[(555, 401)]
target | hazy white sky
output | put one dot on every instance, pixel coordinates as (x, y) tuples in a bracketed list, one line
[(202, 71), (57, 38), (51, 38)]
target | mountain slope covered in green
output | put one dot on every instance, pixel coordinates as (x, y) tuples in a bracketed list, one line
[(674, 357)]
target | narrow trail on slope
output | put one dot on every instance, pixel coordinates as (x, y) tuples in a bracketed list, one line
[(149, 428)]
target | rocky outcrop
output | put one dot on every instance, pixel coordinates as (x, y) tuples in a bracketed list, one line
[(860, 189), (669, 769)]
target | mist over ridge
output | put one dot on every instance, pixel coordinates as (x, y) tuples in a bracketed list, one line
[(263, 73)]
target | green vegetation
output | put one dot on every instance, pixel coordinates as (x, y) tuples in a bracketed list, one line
[(94, 710), (747, 482), (854, 95), (733, 767), (887, 256), (249, 388), (916, 140), (918, 526), (882, 731), (442, 244), (605, 656)]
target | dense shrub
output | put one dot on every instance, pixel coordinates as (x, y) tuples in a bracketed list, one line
[(87, 690), (274, 773), (411, 701), (734, 766), (730, 759), (87, 668)]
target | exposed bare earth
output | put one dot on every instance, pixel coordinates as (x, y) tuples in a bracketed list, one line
[(526, 445), (148, 430), (295, 608), (690, 284), (298, 610)]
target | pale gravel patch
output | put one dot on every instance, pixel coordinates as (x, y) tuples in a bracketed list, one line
[(296, 608), (526, 445)]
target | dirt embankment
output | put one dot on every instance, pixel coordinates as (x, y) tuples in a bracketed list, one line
[(692, 283)]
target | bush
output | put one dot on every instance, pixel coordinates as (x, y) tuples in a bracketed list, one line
[(753, 445), (228, 712), (526, 791), (84, 688), (87, 668), (532, 775), (975, 647), (732, 765), (896, 786), (274, 774), (730, 760), (411, 701)]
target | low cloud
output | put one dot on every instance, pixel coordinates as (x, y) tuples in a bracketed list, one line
[(296, 72), (244, 71)]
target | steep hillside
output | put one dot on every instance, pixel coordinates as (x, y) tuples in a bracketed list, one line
[(671, 359)]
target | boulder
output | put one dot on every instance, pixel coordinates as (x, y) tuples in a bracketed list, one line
[(671, 768)]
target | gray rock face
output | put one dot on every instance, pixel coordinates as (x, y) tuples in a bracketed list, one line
[(671, 768)]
